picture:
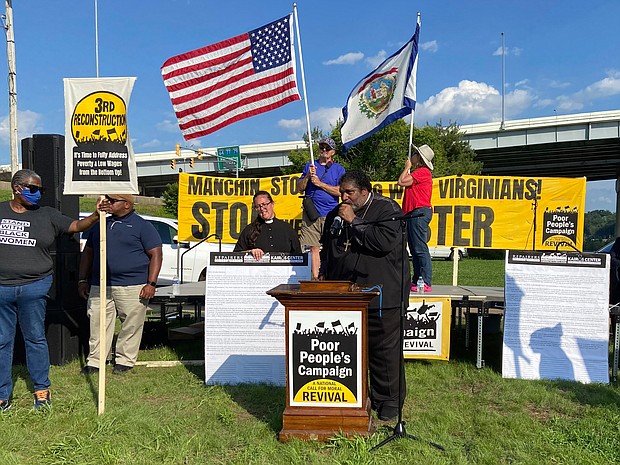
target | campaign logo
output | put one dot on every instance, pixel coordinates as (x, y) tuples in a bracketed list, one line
[(99, 128), (560, 226), (421, 327)]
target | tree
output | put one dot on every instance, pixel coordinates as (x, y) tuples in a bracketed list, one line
[(171, 199), (383, 154), (598, 228), (300, 157)]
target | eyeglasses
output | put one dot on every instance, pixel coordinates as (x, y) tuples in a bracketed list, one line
[(325, 148), (261, 206), (113, 201), (34, 188)]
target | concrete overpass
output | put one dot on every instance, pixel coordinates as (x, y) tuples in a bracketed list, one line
[(586, 144)]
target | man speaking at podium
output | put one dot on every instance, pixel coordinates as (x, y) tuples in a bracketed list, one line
[(361, 244)]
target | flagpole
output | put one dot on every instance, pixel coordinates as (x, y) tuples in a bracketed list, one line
[(303, 82), (413, 112), (501, 126), (96, 39)]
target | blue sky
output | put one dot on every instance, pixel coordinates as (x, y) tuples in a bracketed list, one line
[(562, 58)]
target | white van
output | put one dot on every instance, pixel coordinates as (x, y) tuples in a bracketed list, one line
[(440, 251), (195, 255), (447, 253)]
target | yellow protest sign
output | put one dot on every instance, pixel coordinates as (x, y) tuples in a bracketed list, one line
[(223, 206), (489, 212), (499, 212)]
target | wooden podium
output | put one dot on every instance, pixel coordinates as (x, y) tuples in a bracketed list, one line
[(326, 359)]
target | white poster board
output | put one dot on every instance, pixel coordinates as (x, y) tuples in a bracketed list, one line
[(245, 340), (556, 324)]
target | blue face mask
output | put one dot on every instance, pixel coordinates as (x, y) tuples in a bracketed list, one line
[(30, 197)]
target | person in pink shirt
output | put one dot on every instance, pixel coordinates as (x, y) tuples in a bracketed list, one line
[(417, 179)]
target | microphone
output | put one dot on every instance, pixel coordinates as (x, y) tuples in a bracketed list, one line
[(336, 227)]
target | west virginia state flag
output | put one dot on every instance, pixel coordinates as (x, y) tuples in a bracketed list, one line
[(383, 96)]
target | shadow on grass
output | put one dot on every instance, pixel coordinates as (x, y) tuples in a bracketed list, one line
[(20, 371), (256, 399), (596, 395), (593, 394), (265, 402)]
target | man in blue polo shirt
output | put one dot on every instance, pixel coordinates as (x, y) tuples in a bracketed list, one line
[(320, 181), (134, 257)]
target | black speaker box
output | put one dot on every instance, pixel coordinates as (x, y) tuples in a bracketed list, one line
[(66, 321), (45, 154)]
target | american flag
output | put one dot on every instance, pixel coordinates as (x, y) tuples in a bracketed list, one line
[(216, 85)]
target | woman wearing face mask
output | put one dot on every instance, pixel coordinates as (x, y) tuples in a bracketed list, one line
[(26, 233)]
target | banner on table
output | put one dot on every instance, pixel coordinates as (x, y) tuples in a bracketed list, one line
[(426, 329), (244, 327), (98, 153), (488, 212)]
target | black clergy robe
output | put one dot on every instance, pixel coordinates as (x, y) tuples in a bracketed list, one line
[(372, 254), (278, 236)]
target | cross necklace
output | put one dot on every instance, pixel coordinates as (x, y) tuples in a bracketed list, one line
[(347, 243)]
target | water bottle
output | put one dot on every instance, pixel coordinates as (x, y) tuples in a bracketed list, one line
[(420, 285), (176, 287)]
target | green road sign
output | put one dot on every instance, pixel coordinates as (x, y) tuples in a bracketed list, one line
[(228, 158)]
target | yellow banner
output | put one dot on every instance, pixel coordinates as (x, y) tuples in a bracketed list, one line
[(488, 212)]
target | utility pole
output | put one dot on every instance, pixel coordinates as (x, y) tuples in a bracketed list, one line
[(10, 55)]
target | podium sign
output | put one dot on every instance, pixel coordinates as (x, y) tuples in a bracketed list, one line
[(326, 359)]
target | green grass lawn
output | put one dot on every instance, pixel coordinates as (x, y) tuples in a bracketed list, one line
[(168, 415), (471, 272)]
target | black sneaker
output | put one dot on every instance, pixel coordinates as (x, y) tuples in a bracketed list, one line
[(5, 405), (42, 398), (120, 369), (88, 370)]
